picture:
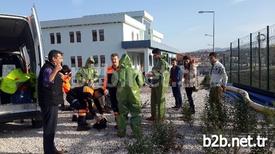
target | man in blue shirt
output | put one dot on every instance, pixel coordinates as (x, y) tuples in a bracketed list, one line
[(176, 82)]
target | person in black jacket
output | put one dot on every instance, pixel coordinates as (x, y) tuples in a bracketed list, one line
[(50, 95), (176, 83)]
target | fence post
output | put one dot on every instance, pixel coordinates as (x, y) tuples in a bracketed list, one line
[(230, 65), (259, 58), (238, 61), (250, 61), (267, 53)]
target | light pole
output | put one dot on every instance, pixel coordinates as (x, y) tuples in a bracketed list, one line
[(208, 35), (213, 12)]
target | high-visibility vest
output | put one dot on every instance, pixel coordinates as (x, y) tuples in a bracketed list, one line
[(107, 79), (66, 84), (87, 89), (9, 83)]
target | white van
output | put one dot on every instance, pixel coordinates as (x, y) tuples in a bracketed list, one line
[(21, 48)]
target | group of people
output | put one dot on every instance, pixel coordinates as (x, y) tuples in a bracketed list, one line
[(123, 85), (190, 81)]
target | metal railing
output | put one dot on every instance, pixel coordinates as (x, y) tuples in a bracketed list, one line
[(250, 61)]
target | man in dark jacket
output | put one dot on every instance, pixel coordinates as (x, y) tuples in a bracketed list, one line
[(175, 82), (50, 95)]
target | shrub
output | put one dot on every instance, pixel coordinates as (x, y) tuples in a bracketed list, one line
[(164, 136), (206, 81), (162, 140), (244, 117), (187, 115), (143, 145)]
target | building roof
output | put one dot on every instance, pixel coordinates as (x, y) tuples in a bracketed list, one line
[(122, 17), (143, 14)]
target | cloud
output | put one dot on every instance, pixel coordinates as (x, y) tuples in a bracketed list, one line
[(192, 29), (250, 28), (238, 1), (77, 2)]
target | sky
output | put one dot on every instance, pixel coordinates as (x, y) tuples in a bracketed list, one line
[(183, 27)]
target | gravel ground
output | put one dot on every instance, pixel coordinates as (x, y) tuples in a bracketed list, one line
[(21, 138)]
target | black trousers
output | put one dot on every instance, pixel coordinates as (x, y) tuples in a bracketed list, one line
[(113, 99), (177, 94), (49, 119), (189, 91)]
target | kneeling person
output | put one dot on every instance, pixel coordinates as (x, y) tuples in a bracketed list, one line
[(81, 98)]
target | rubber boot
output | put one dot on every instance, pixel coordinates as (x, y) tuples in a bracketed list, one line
[(82, 125)]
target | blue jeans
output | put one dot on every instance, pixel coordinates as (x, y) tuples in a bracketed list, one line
[(177, 94)]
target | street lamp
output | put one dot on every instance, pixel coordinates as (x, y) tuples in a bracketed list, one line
[(208, 35), (213, 12)]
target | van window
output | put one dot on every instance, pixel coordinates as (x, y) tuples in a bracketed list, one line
[(26, 58)]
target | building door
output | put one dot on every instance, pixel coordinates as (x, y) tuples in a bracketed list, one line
[(137, 60)]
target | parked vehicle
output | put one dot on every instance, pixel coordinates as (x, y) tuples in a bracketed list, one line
[(20, 49)]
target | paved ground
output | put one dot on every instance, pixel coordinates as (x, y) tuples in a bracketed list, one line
[(21, 138)]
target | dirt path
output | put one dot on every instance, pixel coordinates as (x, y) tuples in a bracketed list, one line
[(21, 138)]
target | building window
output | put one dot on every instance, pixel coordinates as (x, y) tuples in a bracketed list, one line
[(150, 60), (72, 61), (78, 36), (79, 61), (101, 35), (133, 36), (102, 60), (58, 38), (52, 38), (71, 37), (137, 37), (96, 60), (94, 35), (170, 60)]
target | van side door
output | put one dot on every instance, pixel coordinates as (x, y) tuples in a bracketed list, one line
[(37, 36)]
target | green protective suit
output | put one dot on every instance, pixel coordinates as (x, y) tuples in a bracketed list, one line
[(161, 71), (87, 75), (128, 82)]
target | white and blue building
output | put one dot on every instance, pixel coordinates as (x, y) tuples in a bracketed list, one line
[(101, 35)]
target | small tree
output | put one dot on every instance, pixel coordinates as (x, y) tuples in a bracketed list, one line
[(187, 115)]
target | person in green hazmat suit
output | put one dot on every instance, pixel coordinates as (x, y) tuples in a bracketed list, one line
[(87, 75), (160, 72), (128, 82)]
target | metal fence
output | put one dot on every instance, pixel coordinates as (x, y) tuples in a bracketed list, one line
[(250, 61)]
